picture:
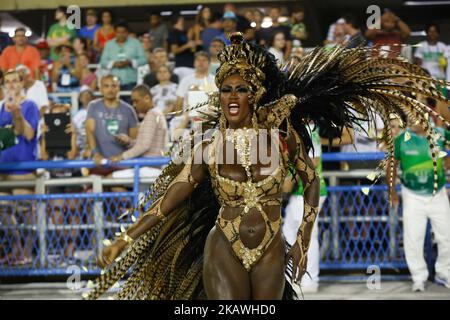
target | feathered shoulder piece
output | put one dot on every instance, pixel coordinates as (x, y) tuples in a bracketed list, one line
[(339, 87)]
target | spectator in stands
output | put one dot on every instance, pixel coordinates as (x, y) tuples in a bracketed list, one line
[(215, 47), (242, 24), (164, 93), (258, 18), (433, 54), (84, 74), (122, 56), (106, 31), (390, 37), (23, 115), (277, 45), (152, 135), (229, 24), (21, 53), (353, 31), (5, 39), (81, 45), (59, 32), (213, 30), (79, 119), (201, 80), (147, 44), (193, 89), (298, 28), (70, 154), (275, 15), (45, 65), (88, 31), (159, 32), (159, 59), (202, 21), (412, 153), (64, 73), (35, 90), (331, 39), (180, 46), (339, 36), (107, 118)]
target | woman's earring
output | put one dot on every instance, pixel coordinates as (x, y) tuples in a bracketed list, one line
[(222, 122)]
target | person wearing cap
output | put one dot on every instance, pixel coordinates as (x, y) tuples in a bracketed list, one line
[(35, 90), (229, 24), (88, 31), (59, 32), (21, 53)]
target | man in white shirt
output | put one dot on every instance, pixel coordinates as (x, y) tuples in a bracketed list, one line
[(432, 54), (35, 90), (193, 89)]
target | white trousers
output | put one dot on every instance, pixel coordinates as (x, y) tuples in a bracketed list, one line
[(416, 210), (291, 223)]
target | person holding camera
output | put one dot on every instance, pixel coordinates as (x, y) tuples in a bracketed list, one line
[(23, 117)]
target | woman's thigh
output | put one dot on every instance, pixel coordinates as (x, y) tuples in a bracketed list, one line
[(268, 275), (224, 277)]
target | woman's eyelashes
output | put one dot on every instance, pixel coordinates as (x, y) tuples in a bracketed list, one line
[(239, 89)]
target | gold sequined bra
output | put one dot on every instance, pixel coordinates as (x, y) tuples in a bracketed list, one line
[(247, 194)]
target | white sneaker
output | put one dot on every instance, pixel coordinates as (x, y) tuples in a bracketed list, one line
[(442, 281), (418, 287)]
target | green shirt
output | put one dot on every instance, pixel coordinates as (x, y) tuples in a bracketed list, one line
[(416, 162), (57, 31), (317, 154), (131, 50)]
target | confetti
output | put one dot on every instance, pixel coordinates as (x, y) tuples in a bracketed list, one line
[(84, 269), (122, 229), (106, 242), (118, 234), (407, 136), (85, 295), (133, 218), (90, 284), (365, 190)]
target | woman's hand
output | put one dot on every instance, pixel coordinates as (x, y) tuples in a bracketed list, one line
[(299, 262), (110, 253)]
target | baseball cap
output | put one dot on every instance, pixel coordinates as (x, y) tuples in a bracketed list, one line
[(229, 15), (42, 44)]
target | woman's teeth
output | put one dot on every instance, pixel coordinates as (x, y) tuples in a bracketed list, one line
[(233, 108)]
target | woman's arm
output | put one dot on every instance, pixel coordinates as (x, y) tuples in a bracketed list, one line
[(311, 193), (177, 192)]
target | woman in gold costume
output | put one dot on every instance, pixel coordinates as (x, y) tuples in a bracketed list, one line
[(210, 225)]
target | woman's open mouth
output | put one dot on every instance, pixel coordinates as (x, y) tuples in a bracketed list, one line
[(233, 108)]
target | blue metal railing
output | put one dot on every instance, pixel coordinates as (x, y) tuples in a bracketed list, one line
[(356, 230)]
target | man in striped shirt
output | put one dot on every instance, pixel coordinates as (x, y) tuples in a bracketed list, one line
[(152, 136)]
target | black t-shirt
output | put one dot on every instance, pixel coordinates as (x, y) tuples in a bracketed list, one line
[(268, 32), (186, 57), (151, 81)]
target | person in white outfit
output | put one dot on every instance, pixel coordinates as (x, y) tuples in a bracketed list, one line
[(417, 183)]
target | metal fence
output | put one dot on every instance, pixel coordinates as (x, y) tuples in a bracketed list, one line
[(59, 230)]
